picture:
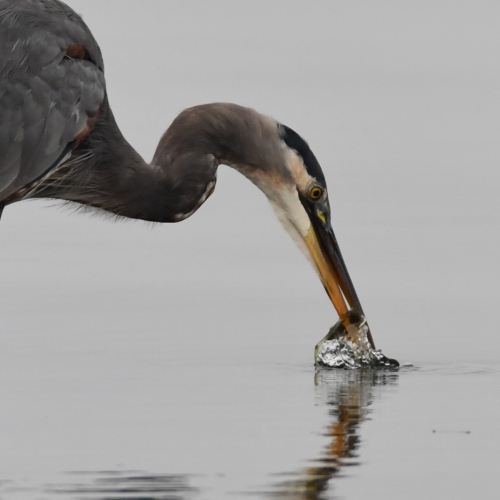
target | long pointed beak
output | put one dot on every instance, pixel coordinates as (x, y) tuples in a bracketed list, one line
[(333, 272)]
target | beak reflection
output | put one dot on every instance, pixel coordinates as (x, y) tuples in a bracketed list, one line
[(326, 254)]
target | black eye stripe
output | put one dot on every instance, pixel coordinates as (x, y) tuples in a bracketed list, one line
[(295, 142)]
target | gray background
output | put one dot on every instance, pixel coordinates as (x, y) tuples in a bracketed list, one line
[(400, 103)]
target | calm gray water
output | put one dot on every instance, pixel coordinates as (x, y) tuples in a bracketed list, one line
[(175, 362)]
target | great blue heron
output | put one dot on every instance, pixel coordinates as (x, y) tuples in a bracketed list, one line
[(59, 139)]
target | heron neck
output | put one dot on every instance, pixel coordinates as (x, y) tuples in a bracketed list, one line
[(107, 173), (233, 134)]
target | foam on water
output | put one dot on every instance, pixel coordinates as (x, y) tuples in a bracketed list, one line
[(348, 347)]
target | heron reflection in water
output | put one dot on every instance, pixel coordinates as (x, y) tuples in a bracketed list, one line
[(348, 394), (59, 139)]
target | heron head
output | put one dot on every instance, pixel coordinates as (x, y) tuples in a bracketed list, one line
[(278, 161), (300, 200)]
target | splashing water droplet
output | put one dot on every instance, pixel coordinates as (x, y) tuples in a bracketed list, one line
[(348, 347)]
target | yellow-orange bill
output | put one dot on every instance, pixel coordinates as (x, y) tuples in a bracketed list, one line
[(325, 272), (325, 252)]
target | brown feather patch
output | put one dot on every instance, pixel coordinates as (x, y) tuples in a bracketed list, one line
[(91, 121), (76, 51)]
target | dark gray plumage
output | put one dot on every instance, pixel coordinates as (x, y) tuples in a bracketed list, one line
[(59, 139), (54, 106), (45, 95)]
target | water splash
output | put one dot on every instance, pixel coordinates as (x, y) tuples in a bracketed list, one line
[(348, 347)]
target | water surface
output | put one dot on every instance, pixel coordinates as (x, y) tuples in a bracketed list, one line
[(175, 362), (227, 430)]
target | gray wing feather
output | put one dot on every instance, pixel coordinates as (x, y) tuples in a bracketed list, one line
[(45, 96)]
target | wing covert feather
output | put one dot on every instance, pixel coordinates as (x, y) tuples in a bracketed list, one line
[(45, 95)]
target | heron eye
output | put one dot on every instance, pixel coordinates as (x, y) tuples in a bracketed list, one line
[(315, 193)]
